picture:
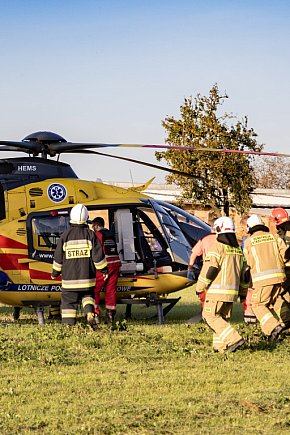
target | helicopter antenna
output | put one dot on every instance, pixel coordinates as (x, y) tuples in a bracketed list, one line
[(131, 178)]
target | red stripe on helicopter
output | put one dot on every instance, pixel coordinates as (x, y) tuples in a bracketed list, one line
[(6, 242), (10, 262), (38, 274)]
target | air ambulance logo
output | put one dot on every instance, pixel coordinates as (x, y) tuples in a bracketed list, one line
[(56, 192)]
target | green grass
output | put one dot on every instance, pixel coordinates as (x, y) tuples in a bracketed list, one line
[(148, 379)]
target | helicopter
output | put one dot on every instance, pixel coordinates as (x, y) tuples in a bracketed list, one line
[(154, 238)]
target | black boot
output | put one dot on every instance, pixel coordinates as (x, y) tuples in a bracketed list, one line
[(93, 321), (275, 333), (110, 315)]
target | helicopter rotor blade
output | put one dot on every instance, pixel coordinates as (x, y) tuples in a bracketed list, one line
[(70, 146), (26, 147), (150, 165), (49, 144)]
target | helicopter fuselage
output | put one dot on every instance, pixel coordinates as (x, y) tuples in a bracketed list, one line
[(154, 239)]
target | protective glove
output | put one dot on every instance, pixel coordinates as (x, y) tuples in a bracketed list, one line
[(191, 275)]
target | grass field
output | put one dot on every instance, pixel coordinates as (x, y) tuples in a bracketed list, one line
[(148, 379)]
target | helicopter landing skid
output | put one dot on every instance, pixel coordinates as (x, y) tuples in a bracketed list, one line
[(39, 310), (149, 301)]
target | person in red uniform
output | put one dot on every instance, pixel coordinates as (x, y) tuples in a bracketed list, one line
[(107, 239), (200, 249)]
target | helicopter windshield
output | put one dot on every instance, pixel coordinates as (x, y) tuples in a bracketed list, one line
[(192, 227), (179, 245)]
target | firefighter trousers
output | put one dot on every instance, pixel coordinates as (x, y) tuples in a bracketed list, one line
[(214, 314), (70, 299), (269, 307), (109, 285)]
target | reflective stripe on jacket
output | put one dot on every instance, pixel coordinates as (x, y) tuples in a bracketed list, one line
[(265, 254), (229, 281), (77, 256)]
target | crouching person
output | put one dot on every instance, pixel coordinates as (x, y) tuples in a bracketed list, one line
[(77, 256), (223, 276)]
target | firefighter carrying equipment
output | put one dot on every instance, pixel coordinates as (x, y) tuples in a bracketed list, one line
[(230, 280), (265, 255), (222, 288)]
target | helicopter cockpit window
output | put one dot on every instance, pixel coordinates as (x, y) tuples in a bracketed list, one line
[(151, 232), (179, 245), (46, 231), (192, 227), (150, 243)]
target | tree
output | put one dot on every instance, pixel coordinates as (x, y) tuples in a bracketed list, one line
[(221, 180), (272, 172)]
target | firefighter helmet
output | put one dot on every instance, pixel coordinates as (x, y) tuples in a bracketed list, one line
[(224, 225), (279, 215), (254, 220), (79, 214)]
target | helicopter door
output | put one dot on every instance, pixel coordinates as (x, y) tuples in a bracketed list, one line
[(2, 203), (179, 245)]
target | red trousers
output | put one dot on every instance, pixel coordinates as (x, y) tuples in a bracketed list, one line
[(249, 316), (110, 286)]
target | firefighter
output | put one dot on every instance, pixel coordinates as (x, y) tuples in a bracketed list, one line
[(223, 276), (77, 256), (108, 242), (199, 250), (280, 218), (266, 254)]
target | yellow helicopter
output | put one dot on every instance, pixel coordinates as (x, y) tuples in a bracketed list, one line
[(154, 238)]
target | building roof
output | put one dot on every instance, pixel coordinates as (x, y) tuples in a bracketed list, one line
[(263, 199)]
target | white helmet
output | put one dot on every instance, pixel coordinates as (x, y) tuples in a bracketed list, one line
[(224, 225), (254, 220), (79, 214)]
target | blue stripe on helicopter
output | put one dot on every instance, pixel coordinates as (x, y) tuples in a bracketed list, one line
[(53, 288)]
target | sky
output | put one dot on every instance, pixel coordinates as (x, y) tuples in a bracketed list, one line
[(111, 70)]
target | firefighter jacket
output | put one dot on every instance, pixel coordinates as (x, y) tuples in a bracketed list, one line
[(77, 256), (265, 255), (108, 242), (223, 274)]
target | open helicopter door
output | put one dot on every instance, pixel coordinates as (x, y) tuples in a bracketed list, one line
[(123, 220), (179, 246)]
